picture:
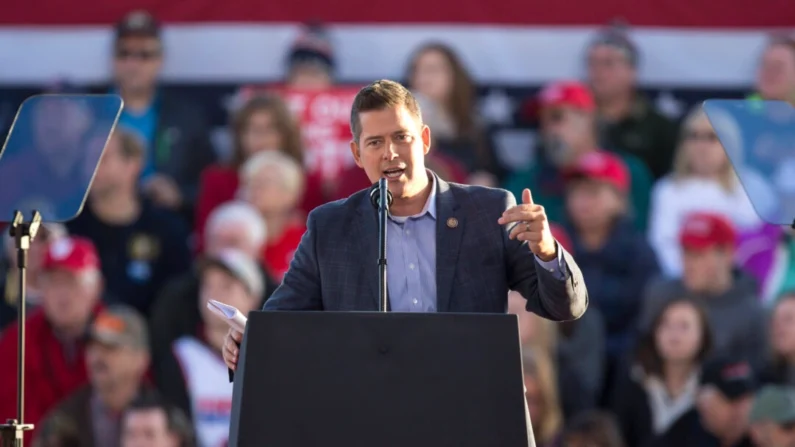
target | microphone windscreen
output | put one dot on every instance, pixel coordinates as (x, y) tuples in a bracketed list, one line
[(375, 195)]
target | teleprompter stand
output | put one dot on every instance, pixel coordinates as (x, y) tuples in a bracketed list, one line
[(11, 433), (379, 379), (46, 176)]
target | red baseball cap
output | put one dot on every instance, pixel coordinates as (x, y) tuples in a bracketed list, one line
[(567, 94), (601, 166), (701, 231), (75, 254)]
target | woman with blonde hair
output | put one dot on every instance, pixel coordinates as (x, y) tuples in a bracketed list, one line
[(703, 180)]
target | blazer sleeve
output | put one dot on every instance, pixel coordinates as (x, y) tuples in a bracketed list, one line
[(549, 297), (300, 287)]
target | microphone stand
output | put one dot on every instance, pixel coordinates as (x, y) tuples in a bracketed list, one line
[(381, 198), (11, 433), (383, 214)]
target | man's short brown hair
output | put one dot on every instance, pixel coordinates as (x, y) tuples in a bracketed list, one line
[(378, 96)]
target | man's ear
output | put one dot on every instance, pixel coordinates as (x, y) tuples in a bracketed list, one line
[(426, 139), (356, 154)]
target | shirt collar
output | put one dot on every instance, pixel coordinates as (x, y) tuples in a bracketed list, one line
[(430, 204)]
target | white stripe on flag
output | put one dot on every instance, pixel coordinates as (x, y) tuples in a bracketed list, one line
[(504, 55)]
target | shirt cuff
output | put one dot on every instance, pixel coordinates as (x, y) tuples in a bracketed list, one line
[(556, 266)]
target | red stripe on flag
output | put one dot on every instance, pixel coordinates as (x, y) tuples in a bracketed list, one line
[(663, 13)]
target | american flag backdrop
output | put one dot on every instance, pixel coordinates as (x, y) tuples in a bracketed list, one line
[(703, 43)]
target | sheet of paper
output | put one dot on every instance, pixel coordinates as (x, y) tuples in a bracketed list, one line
[(230, 314)]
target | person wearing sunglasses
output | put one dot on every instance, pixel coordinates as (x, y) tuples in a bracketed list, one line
[(174, 129), (703, 180)]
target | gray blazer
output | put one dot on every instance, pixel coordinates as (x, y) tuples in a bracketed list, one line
[(477, 264)]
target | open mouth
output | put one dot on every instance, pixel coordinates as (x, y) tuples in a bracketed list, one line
[(393, 173)]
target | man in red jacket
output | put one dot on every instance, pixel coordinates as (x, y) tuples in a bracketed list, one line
[(55, 356)]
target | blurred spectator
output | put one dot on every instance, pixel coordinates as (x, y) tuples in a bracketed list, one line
[(236, 224), (663, 378), (534, 331), (446, 94), (310, 61), (446, 167), (174, 130), (615, 259), (56, 366), (57, 431), (581, 361), (273, 183), (141, 246), (541, 392), (781, 368), (199, 382), (592, 429), (561, 236), (722, 406), (703, 180), (9, 282), (263, 124), (117, 356), (151, 422), (772, 417), (233, 225), (735, 314), (577, 348), (775, 77), (628, 121), (569, 131)]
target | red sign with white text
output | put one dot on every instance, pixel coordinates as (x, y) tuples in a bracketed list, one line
[(325, 126)]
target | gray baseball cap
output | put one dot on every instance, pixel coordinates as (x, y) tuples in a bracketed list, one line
[(774, 403), (241, 266)]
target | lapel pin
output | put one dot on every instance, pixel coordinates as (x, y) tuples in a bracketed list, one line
[(452, 222)]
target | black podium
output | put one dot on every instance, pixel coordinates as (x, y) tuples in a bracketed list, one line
[(379, 379)]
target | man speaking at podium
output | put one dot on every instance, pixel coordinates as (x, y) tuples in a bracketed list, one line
[(450, 247)]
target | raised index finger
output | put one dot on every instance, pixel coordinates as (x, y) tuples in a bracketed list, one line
[(527, 197)]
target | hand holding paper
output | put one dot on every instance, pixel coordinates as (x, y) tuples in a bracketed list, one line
[(230, 314)]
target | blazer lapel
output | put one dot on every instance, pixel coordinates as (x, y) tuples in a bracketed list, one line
[(365, 231), (449, 231)]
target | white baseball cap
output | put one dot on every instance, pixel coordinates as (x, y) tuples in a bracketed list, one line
[(241, 266)]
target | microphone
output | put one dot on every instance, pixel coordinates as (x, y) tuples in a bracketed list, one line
[(381, 199), (375, 194)]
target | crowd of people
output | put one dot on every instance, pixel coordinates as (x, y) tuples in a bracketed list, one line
[(689, 338)]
